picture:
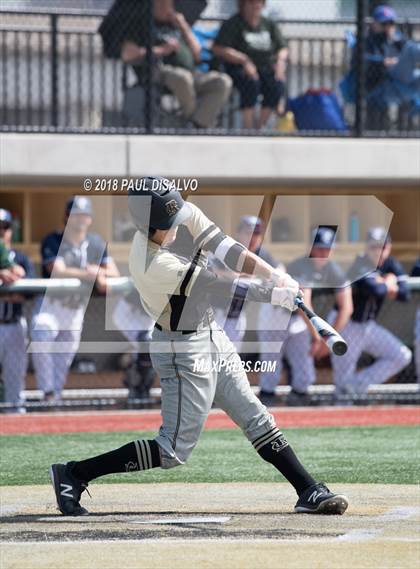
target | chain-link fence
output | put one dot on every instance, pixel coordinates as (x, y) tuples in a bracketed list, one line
[(275, 67), (111, 365)]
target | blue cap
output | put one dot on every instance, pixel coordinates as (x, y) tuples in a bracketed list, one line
[(252, 223), (378, 236), (383, 13), (5, 216), (324, 237), (79, 204)]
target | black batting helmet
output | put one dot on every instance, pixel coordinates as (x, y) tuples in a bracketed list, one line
[(156, 204)]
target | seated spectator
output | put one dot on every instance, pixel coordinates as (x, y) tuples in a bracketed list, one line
[(392, 72), (177, 51), (255, 56)]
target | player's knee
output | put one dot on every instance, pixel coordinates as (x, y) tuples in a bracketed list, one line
[(405, 356)]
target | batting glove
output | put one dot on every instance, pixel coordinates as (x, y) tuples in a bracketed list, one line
[(284, 297), (282, 279)]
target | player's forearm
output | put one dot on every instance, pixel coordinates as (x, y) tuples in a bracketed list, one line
[(251, 264), (307, 299), (110, 270), (70, 273), (344, 301), (343, 316)]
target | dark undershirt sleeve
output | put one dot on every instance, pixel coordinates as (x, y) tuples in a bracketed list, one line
[(224, 287)]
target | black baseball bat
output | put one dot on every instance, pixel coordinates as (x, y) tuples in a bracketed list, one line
[(330, 336)]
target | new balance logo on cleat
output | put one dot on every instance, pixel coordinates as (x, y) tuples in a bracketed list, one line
[(67, 491), (318, 499), (314, 496)]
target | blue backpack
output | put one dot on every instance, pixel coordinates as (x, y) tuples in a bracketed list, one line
[(318, 109)]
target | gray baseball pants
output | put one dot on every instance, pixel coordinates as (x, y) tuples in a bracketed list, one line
[(196, 370)]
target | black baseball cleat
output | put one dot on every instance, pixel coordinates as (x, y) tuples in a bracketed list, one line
[(68, 489), (318, 499)]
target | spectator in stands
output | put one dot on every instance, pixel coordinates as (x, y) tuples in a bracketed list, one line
[(416, 273), (392, 72), (177, 52), (376, 276), (255, 56)]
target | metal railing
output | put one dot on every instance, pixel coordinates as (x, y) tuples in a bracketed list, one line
[(97, 392), (56, 78)]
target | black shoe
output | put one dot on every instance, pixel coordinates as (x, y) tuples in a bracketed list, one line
[(68, 489), (296, 399), (267, 398), (318, 499)]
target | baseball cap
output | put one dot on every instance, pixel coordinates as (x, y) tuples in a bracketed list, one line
[(324, 236), (5, 216), (378, 236), (251, 223), (383, 13), (79, 204)]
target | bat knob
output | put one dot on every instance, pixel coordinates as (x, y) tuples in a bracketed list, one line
[(339, 348)]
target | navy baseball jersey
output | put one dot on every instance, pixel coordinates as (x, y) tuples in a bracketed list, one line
[(368, 293), (92, 250), (329, 277), (416, 269), (12, 311)]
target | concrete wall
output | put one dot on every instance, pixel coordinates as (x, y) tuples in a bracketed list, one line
[(60, 158)]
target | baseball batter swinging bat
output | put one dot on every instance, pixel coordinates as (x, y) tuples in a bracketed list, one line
[(330, 336)]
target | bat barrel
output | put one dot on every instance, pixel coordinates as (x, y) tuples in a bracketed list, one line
[(337, 345), (330, 336)]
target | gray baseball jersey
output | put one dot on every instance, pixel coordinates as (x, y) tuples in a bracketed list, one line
[(197, 365)]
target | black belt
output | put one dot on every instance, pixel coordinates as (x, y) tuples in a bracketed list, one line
[(159, 327), (209, 314), (12, 321)]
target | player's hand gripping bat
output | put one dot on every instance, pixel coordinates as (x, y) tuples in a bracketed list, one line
[(330, 336)]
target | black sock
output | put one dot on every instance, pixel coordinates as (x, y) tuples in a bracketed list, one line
[(138, 455), (274, 448)]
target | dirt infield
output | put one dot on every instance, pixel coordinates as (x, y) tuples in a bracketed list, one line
[(105, 421), (253, 528)]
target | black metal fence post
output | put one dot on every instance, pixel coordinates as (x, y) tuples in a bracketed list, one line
[(54, 70), (150, 33), (361, 68)]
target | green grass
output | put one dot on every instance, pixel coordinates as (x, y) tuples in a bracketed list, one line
[(347, 454)]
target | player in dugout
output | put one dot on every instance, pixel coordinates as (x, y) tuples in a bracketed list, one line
[(13, 326), (376, 276)]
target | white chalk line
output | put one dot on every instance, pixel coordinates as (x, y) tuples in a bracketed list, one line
[(184, 520), (398, 513), (160, 520)]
